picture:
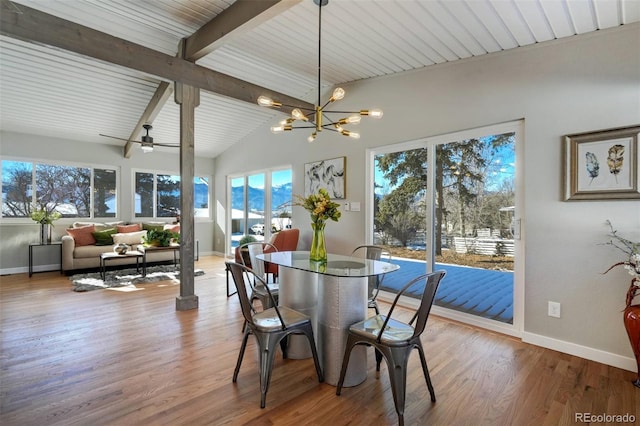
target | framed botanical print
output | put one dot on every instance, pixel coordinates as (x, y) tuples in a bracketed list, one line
[(602, 165)]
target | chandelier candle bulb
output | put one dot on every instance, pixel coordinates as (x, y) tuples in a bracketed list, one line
[(338, 94), (352, 135), (268, 102), (298, 115), (374, 113), (353, 119), (280, 129)]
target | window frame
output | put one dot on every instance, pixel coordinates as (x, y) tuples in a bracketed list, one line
[(155, 174), (91, 166)]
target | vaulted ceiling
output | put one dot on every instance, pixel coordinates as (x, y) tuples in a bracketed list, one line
[(267, 44)]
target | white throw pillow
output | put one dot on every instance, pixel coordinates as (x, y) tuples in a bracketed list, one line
[(129, 237), (98, 226)]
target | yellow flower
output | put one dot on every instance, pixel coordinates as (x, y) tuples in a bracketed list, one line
[(319, 206)]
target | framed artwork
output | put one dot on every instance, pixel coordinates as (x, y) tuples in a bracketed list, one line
[(328, 174), (602, 165)]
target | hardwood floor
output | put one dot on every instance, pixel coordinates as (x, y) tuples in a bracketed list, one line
[(128, 357)]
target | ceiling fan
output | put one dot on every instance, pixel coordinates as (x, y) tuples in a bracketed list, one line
[(146, 142)]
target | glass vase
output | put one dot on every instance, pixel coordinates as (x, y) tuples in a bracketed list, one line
[(45, 233), (318, 249)]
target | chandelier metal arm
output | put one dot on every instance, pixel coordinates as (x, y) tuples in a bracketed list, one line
[(341, 112), (296, 106), (325, 105)]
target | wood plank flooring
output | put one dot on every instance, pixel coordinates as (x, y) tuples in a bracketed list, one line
[(111, 357)]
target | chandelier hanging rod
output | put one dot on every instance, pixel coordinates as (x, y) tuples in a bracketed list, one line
[(315, 116)]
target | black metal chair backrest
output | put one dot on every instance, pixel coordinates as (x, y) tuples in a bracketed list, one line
[(270, 330), (238, 272), (255, 248), (432, 281), (370, 251)]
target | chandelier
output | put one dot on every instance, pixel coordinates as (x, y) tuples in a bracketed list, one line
[(319, 118)]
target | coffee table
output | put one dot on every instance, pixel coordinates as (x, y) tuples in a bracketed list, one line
[(150, 249), (110, 256)]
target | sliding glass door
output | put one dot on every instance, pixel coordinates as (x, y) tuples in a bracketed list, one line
[(450, 203), (259, 206)]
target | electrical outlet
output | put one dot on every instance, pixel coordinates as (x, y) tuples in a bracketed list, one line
[(554, 309), (346, 206)]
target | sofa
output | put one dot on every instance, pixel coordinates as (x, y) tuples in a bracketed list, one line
[(86, 241)]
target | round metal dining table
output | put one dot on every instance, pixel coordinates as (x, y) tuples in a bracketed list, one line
[(334, 296)]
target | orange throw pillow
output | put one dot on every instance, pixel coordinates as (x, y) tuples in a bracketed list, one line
[(83, 236), (123, 229), (172, 228)]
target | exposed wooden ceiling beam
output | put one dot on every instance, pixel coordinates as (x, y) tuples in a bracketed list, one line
[(35, 26), (159, 98), (238, 18)]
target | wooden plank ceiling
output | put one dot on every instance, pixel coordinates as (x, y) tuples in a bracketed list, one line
[(52, 92)]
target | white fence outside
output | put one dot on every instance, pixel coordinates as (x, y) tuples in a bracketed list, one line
[(486, 246)]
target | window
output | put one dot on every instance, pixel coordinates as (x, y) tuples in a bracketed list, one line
[(73, 191), (158, 195), (168, 195), (257, 199)]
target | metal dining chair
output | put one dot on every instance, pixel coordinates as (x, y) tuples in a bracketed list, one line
[(271, 327), (258, 291), (394, 340), (372, 252)]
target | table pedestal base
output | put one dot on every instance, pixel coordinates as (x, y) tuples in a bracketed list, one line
[(333, 303)]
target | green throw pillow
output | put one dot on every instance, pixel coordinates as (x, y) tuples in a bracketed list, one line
[(104, 238), (152, 227)]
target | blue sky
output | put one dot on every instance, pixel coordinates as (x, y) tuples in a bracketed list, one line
[(504, 165)]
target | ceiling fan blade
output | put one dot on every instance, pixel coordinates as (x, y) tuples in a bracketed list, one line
[(121, 139), (168, 145)]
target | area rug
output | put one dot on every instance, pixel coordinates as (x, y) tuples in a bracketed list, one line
[(127, 277)]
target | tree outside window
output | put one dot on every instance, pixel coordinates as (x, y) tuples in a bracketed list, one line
[(69, 190)]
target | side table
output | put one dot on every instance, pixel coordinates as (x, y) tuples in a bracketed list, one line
[(57, 244)]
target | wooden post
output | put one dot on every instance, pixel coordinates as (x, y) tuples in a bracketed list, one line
[(188, 97)]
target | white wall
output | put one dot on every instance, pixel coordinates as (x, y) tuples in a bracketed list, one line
[(15, 237), (585, 83)]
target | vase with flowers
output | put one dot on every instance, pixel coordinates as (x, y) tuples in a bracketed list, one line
[(321, 209), (631, 312), (45, 214)]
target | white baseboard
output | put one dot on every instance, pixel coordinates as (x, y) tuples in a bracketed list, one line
[(585, 352), (597, 355), (36, 268), (462, 317), (12, 271)]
